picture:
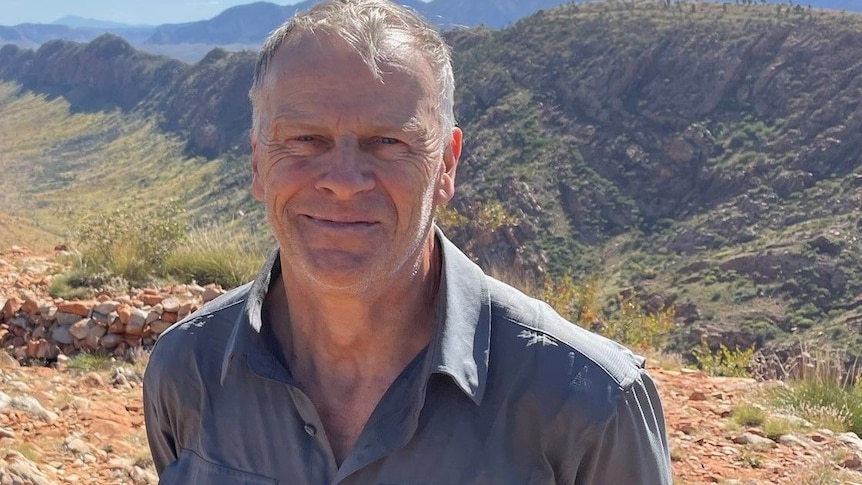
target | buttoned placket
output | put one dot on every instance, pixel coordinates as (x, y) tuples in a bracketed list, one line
[(268, 367), (393, 422), (391, 425)]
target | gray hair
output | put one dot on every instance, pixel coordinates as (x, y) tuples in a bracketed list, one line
[(373, 28)]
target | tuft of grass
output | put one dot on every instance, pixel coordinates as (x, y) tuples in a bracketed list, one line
[(823, 392), (774, 428), (749, 415), (211, 256), (29, 451), (751, 459), (62, 286), (90, 362), (825, 473)]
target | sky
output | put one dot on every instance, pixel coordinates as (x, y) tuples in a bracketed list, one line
[(153, 12)]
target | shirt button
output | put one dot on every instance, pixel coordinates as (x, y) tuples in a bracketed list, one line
[(310, 429)]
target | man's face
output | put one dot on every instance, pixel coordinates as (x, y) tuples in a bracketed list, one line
[(350, 168)]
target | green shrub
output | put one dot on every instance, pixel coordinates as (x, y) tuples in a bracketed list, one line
[(723, 361), (631, 325), (748, 415), (129, 243), (79, 283), (636, 328), (62, 287)]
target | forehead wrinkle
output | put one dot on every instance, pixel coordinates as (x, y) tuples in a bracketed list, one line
[(384, 119)]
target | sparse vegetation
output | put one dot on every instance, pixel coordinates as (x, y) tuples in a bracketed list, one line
[(723, 361), (211, 256), (821, 390), (748, 415), (90, 362), (129, 244), (776, 427)]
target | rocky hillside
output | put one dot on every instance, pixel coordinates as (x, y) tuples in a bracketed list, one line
[(696, 154), (705, 155)]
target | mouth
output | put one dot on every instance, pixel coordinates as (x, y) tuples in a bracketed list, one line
[(339, 222)]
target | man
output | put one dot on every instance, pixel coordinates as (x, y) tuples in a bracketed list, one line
[(370, 350)]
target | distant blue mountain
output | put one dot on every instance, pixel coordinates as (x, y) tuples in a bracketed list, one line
[(77, 22)]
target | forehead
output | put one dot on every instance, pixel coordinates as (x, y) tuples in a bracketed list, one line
[(329, 62), (317, 79)]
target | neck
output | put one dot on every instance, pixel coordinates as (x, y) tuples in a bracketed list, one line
[(360, 336)]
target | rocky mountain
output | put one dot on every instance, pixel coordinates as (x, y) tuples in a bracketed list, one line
[(705, 156)]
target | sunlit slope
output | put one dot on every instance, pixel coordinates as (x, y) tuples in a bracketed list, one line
[(59, 165)]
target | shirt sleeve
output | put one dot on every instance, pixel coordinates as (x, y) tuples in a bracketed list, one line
[(160, 435), (632, 447)]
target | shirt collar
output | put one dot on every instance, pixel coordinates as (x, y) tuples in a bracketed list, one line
[(462, 342), (248, 337), (459, 348)]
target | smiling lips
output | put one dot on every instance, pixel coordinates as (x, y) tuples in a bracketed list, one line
[(339, 222)]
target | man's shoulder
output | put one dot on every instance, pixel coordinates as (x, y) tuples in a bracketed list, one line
[(530, 331), (202, 334)]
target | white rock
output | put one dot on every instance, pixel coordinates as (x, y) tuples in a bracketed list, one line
[(106, 307), (77, 445), (754, 440), (793, 440), (80, 403), (19, 470), (850, 438), (19, 386), (137, 320), (171, 304), (31, 406), (81, 328)]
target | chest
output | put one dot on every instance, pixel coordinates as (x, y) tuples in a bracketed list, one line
[(277, 434), (344, 415)]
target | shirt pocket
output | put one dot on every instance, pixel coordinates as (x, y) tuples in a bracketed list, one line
[(191, 469)]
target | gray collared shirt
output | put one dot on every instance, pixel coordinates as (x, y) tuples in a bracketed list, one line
[(507, 392)]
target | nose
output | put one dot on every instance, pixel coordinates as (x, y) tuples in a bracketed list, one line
[(346, 174)]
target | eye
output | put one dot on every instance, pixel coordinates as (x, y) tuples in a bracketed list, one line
[(386, 140)]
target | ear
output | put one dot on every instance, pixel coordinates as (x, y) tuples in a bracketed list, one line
[(451, 155), (256, 180)]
